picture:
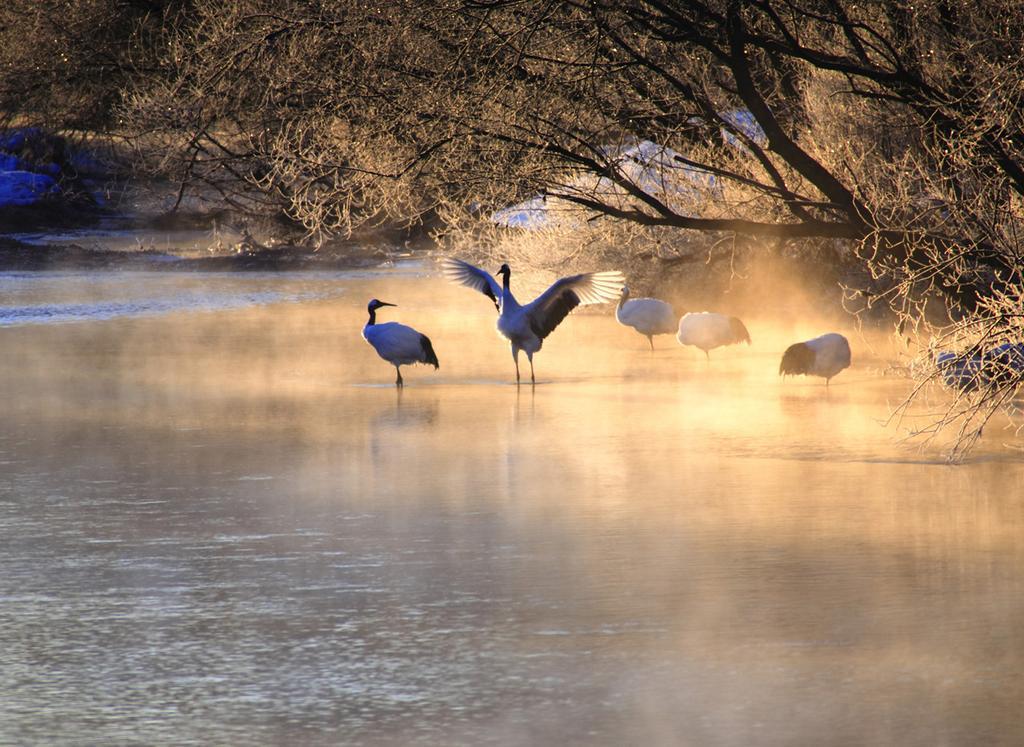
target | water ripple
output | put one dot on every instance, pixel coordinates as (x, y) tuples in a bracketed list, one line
[(63, 313)]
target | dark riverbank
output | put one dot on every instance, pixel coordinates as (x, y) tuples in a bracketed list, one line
[(20, 256), (71, 204)]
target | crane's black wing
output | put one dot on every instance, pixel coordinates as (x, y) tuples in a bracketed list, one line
[(466, 274), (553, 305)]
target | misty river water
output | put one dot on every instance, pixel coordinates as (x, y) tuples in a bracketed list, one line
[(220, 523)]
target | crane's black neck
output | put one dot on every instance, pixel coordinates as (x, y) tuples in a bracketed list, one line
[(505, 275), (373, 318)]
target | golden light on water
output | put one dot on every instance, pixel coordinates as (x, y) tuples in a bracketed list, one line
[(708, 546)]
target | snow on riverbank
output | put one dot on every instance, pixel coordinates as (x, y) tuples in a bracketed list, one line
[(37, 167)]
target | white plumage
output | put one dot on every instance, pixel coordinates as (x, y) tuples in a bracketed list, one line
[(396, 343), (823, 356), (648, 316), (526, 326), (708, 330)]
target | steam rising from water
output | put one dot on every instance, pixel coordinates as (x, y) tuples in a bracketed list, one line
[(230, 527), (94, 298)]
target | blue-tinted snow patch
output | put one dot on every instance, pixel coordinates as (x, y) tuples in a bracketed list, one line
[(744, 121), (14, 140), (51, 158), (532, 213), (656, 169), (24, 187)]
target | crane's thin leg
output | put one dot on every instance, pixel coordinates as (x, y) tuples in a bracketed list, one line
[(650, 339), (530, 356), (398, 381), (515, 357), (707, 355)]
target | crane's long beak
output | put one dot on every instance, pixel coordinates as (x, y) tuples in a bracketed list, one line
[(385, 303)]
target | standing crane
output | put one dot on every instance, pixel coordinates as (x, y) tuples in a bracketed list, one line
[(526, 326), (708, 330), (823, 356), (648, 316), (396, 343)]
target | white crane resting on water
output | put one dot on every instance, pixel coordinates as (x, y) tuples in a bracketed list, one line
[(823, 356), (526, 326), (707, 330), (648, 316), (396, 343)]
